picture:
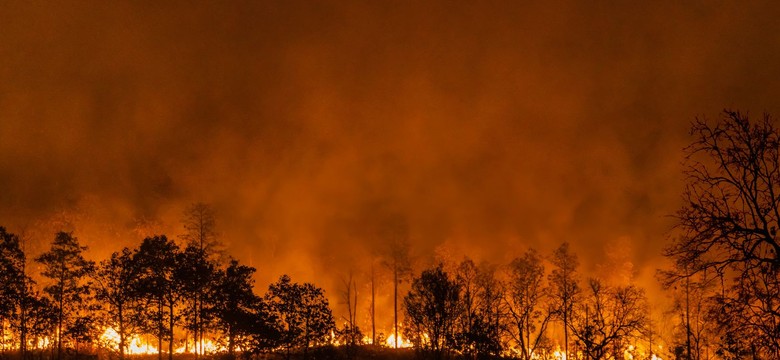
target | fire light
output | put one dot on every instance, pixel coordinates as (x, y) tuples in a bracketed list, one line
[(402, 343), (206, 347), (135, 346)]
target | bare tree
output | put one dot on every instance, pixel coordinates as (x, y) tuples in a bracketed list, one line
[(349, 296), (608, 318), (395, 235), (479, 326), (564, 287), (373, 304), (729, 221), (526, 300)]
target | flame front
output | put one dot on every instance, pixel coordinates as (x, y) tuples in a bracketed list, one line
[(135, 346), (207, 347), (402, 343)]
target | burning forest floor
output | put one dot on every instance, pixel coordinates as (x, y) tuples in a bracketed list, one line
[(323, 352)]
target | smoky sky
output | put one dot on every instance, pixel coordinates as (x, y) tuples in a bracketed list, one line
[(485, 127)]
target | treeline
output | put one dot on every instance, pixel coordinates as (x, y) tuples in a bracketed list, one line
[(481, 312), (162, 290), (158, 289)]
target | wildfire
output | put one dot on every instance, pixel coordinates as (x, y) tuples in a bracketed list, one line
[(135, 345), (206, 347), (559, 354), (43, 342), (402, 343)]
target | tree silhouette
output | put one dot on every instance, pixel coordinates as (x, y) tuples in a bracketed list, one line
[(68, 270), (607, 319), (432, 308), (201, 237), (235, 303), (41, 318), (350, 336), (729, 222), (395, 237), (526, 301), (117, 288), (491, 310), (469, 324), (303, 312), (564, 288), (13, 283), (197, 278), (157, 259), (478, 332), (265, 330)]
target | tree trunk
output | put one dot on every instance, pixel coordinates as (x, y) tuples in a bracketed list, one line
[(306, 348), (23, 326), (159, 329), (373, 309), (121, 333), (231, 344), (395, 303), (170, 328), (688, 318), (59, 327), (565, 314)]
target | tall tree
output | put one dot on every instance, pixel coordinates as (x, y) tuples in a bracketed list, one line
[(432, 308), (13, 282), (469, 318), (351, 333), (478, 333), (730, 217), (395, 236), (303, 312), (564, 287), (117, 280), (373, 304), (526, 300), (234, 303), (200, 234), (490, 302), (157, 259), (197, 276), (68, 270)]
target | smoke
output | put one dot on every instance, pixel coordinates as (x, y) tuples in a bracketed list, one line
[(487, 128)]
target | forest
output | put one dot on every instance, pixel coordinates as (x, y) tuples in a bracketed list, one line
[(187, 297)]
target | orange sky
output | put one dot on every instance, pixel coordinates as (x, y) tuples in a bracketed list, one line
[(487, 127)]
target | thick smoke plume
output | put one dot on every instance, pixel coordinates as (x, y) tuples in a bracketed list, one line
[(486, 128)]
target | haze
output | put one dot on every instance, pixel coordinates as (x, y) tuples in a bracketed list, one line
[(485, 127)]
